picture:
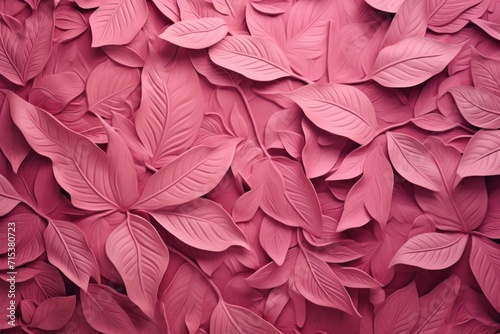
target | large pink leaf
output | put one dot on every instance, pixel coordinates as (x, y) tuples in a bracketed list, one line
[(192, 174), (23, 54), (399, 313), (196, 34), (411, 61), (319, 284), (482, 155), (485, 264), (171, 109), (108, 86), (255, 58), (67, 249), (485, 72), (410, 21), (53, 313), (203, 224), (275, 238), (436, 305), (459, 207), (478, 107), (413, 161), (189, 292), (116, 22), (103, 312), (432, 251), (339, 109), (232, 319), (141, 258), (80, 167)]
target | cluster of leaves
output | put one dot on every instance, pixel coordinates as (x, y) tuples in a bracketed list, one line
[(258, 166)]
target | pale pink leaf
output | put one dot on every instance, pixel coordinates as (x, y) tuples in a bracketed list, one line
[(485, 72), (203, 224), (482, 155), (196, 34), (355, 278), (485, 264), (434, 122), (108, 86), (193, 174), (319, 284), (432, 251), (411, 61), (271, 275), (256, 58), (103, 312), (71, 21), (141, 258), (410, 21), (436, 305), (67, 249), (479, 108), (413, 161), (275, 238), (390, 6), (169, 8), (232, 319), (53, 313), (116, 22), (171, 109), (443, 14), (133, 54), (339, 109), (399, 313)]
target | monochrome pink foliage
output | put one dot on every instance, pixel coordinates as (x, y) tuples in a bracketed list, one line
[(251, 166)]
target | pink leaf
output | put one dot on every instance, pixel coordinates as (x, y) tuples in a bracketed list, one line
[(79, 165), (171, 109), (53, 313), (399, 313), (485, 264), (169, 8), (203, 224), (320, 285), (436, 305), (444, 14), (272, 275), (48, 283), (9, 198), (24, 54), (413, 161), (193, 174), (491, 28), (432, 251), (412, 61), (482, 155), (116, 22), (485, 72), (275, 238), (410, 21), (67, 249), (391, 6), (108, 86), (253, 57), (196, 34), (232, 319), (103, 312), (339, 109), (189, 292), (355, 278), (141, 258), (478, 107)]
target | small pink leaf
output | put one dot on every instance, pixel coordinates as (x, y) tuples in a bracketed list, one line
[(275, 238), (391, 6), (232, 319), (432, 251), (141, 258), (193, 174), (271, 275), (485, 264), (320, 285), (67, 249), (410, 21), (196, 34), (253, 57), (355, 278), (116, 22), (399, 313), (482, 155), (412, 61), (479, 108), (413, 161), (203, 224), (339, 109), (103, 312), (485, 72), (53, 313)]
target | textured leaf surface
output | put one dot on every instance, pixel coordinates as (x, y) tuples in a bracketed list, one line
[(53, 313), (478, 107), (196, 34), (482, 155)]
